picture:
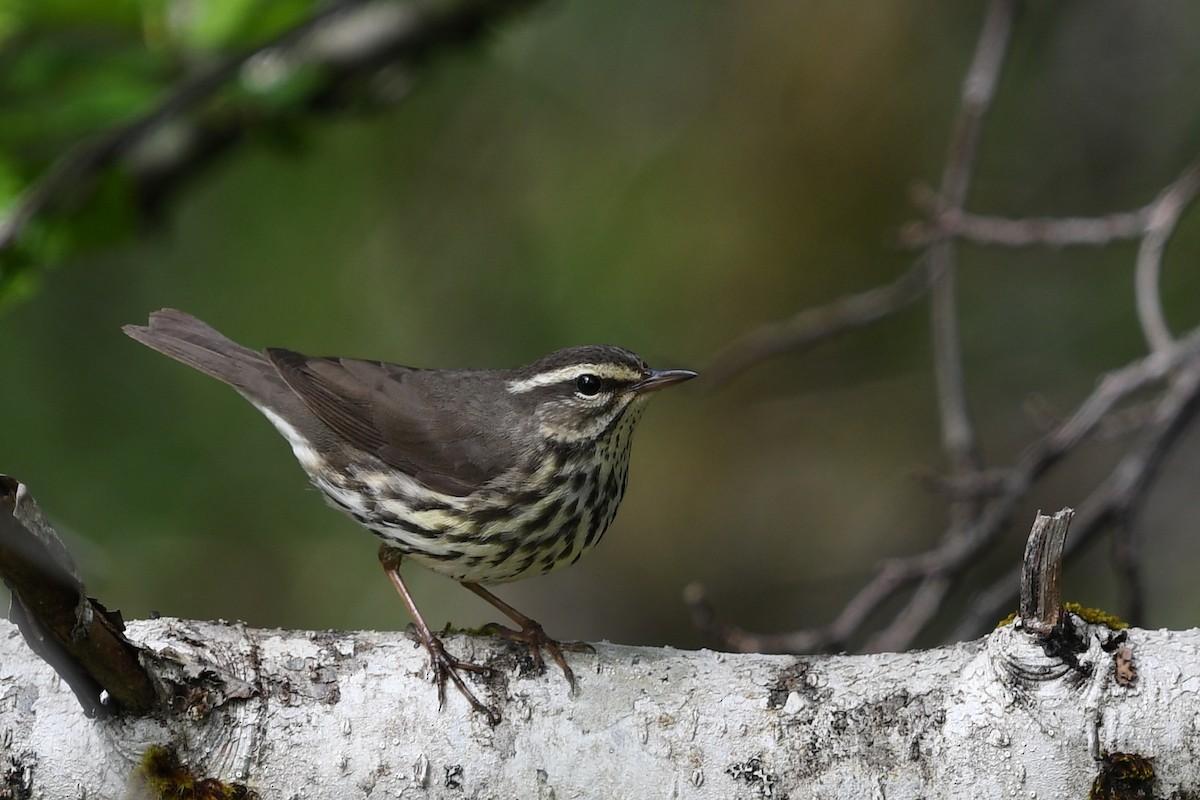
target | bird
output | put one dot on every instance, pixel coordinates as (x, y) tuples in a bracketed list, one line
[(485, 476)]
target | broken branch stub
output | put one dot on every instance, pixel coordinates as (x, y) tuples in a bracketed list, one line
[(1041, 609), (74, 634)]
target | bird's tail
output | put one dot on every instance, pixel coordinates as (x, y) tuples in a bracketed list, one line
[(185, 338)]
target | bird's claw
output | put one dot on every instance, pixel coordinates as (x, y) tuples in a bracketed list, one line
[(534, 637), (447, 667)]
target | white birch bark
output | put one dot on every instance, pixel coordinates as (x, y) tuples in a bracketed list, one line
[(340, 715)]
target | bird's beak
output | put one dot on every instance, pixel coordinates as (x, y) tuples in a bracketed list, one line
[(656, 379)]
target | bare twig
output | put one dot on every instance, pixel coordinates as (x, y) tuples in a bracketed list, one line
[(1118, 496), (1047, 231), (912, 618), (958, 434), (1127, 566), (1156, 221), (955, 552), (1164, 216), (814, 325), (1161, 216), (983, 501), (973, 486), (979, 88), (959, 438)]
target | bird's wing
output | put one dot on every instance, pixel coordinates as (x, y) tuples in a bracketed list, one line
[(391, 412)]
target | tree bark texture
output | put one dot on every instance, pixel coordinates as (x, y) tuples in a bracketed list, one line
[(296, 714)]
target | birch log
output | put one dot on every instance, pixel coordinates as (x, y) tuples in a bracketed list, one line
[(293, 714)]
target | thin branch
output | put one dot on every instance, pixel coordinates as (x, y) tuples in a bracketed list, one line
[(346, 40), (1164, 216), (1047, 231), (910, 620), (1118, 496), (958, 433), (87, 159), (981, 503), (1125, 555), (957, 549), (814, 325), (978, 91), (959, 437)]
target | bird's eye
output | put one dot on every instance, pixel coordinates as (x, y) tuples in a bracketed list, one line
[(588, 385)]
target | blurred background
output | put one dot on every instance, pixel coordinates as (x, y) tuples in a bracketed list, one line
[(665, 176)]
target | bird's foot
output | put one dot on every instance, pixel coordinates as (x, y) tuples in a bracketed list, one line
[(448, 668), (532, 636)]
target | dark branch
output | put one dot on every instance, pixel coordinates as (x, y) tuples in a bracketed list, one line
[(346, 44), (73, 633)]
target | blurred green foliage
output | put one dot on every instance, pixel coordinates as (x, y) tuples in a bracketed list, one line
[(98, 98), (72, 71), (660, 175)]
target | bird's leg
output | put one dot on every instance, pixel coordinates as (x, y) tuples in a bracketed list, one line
[(444, 665), (531, 634)]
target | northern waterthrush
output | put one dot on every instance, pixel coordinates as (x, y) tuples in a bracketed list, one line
[(485, 476)]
